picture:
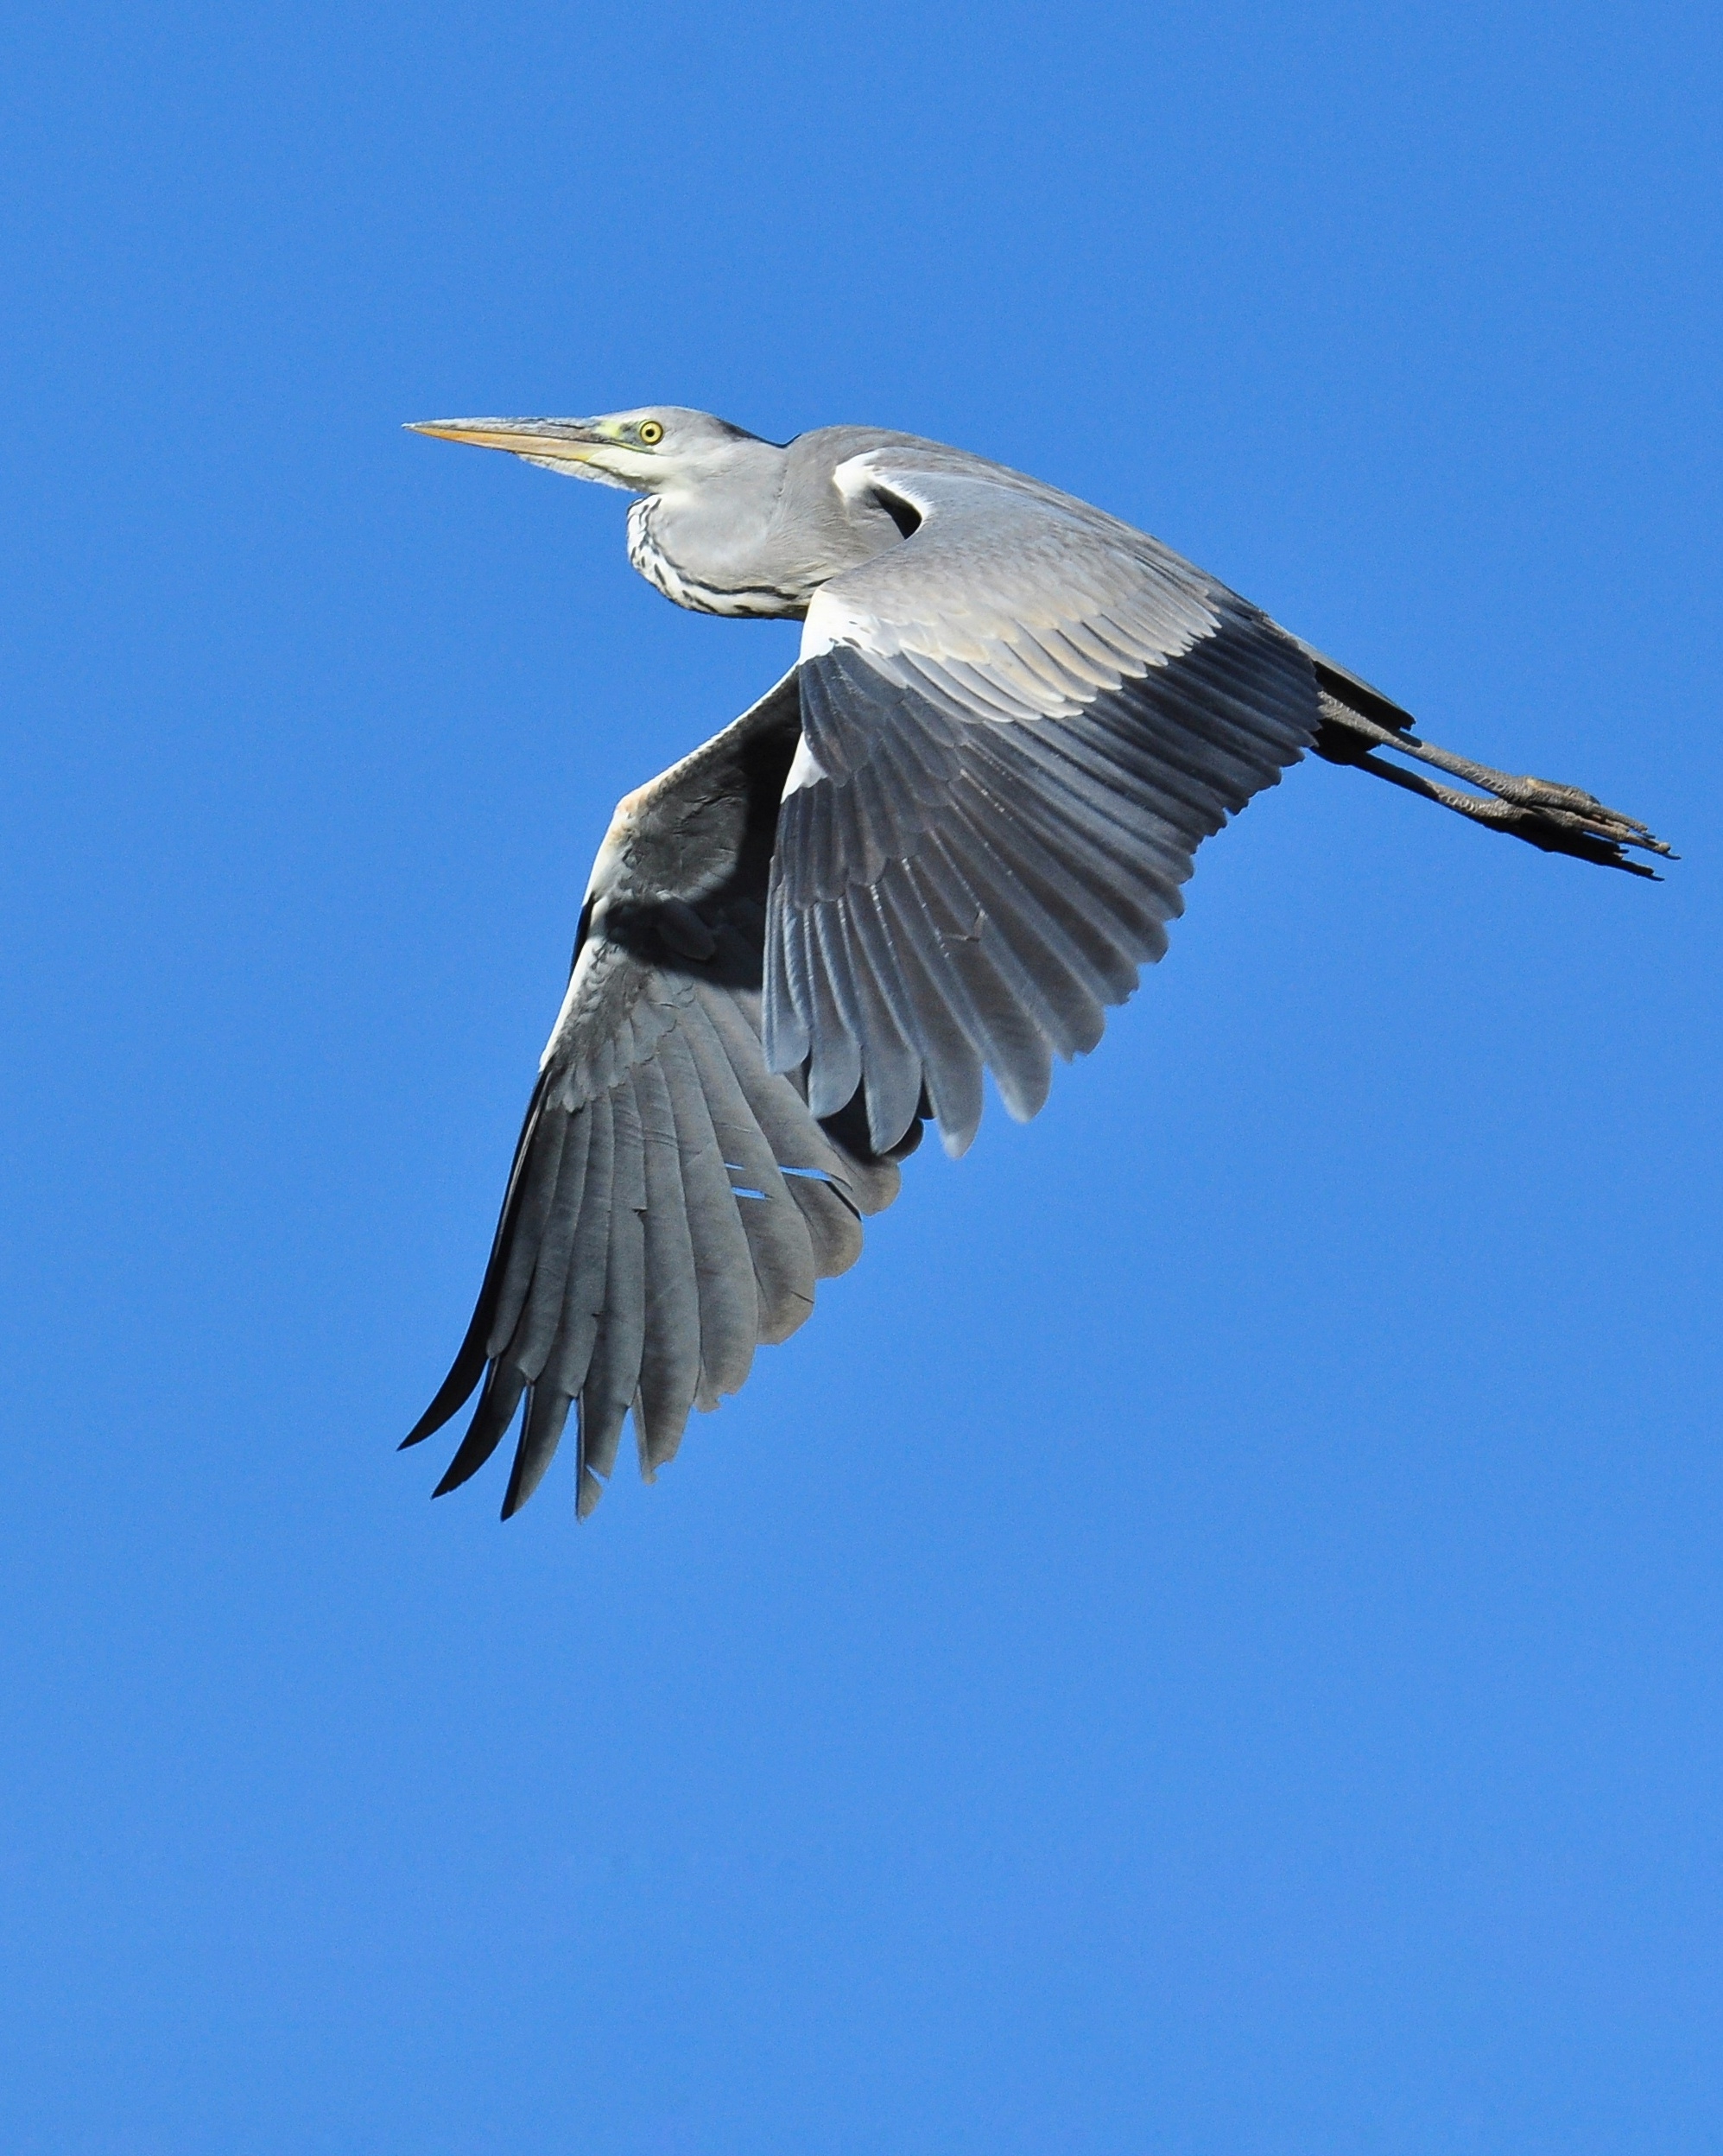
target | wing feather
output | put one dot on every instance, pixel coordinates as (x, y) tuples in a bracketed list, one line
[(779, 1250), (497, 1401), (894, 1068), (821, 1180), (979, 990), (546, 1417), (584, 1294), (728, 1301), (945, 1034), (834, 1026), (613, 1375), (544, 1152), (669, 1362), (529, 1344)]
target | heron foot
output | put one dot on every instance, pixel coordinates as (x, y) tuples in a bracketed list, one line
[(1557, 819)]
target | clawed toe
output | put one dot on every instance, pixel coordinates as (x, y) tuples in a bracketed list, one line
[(1544, 793), (1586, 809)]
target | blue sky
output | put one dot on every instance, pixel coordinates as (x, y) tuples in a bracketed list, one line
[(1208, 1640)]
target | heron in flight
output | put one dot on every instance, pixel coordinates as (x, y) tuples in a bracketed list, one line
[(944, 843)]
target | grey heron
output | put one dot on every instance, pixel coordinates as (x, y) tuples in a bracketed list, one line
[(944, 843)]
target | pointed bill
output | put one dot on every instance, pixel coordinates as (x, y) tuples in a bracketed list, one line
[(552, 441)]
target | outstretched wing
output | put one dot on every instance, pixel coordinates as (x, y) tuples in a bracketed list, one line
[(1018, 726), (673, 1201)]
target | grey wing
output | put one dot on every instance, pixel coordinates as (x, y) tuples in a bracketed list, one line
[(1018, 726), (672, 1201)]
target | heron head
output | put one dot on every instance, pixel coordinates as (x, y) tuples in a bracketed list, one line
[(646, 450)]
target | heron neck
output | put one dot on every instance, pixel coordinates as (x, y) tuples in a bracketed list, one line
[(750, 538)]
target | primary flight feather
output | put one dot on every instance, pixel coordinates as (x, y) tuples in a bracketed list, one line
[(944, 843)]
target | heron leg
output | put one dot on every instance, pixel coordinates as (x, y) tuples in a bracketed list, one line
[(1556, 819)]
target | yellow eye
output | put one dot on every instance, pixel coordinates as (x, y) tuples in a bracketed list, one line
[(651, 433)]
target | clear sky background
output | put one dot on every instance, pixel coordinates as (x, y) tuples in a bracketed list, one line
[(1209, 1641)]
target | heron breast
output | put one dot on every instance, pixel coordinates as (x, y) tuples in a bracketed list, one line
[(646, 552), (684, 584)]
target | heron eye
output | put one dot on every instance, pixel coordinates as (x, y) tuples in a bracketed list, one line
[(651, 433)]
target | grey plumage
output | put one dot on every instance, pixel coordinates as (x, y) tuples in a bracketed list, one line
[(945, 843)]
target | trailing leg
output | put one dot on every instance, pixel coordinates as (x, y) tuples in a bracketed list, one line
[(1556, 819)]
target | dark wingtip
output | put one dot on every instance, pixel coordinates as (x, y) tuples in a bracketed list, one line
[(495, 1411), (470, 1361), (546, 1417), (452, 1395)]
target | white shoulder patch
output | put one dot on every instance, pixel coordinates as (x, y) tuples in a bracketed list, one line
[(855, 475), (805, 770)]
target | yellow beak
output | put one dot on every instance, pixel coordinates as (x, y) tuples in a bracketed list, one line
[(567, 440)]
